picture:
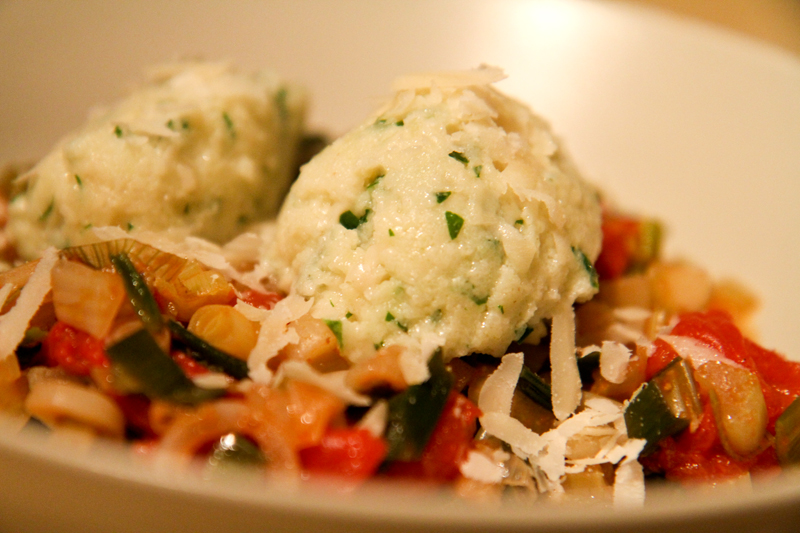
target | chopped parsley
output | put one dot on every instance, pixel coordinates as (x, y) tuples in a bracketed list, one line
[(229, 125), (519, 222), (587, 266), (350, 221), (78, 180), (348, 314), (391, 318), (458, 156), (477, 169), (442, 196), (480, 300), (47, 212), (281, 103), (375, 180), (502, 311), (118, 131), (454, 224), (336, 328), (130, 226), (391, 233)]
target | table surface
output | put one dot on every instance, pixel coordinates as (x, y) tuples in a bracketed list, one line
[(773, 21)]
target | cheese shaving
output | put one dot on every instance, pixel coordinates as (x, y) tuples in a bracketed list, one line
[(614, 359), (629, 485), (695, 351), (14, 323), (498, 389), (482, 468), (566, 380), (276, 333), (484, 75)]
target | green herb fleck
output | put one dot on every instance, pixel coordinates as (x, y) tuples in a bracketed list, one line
[(454, 224), (130, 226), (78, 180), (336, 327), (519, 222), (350, 221), (348, 314), (391, 318), (375, 180), (229, 125), (477, 169), (502, 311), (47, 212), (480, 300), (458, 156), (118, 131), (436, 316), (281, 103), (442, 196), (587, 266), (391, 233), (399, 123), (527, 331)]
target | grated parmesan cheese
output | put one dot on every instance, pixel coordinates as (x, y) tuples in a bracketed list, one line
[(614, 359), (14, 323), (275, 333), (566, 380)]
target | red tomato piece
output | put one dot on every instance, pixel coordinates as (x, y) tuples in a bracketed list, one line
[(620, 239), (349, 452), (136, 409), (74, 350), (189, 366), (260, 299), (449, 444), (699, 455)]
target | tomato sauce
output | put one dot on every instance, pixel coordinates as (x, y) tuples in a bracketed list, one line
[(699, 455)]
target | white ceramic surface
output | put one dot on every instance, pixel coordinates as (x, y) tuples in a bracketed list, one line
[(690, 123)]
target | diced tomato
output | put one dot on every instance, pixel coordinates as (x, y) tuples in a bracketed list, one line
[(75, 351), (620, 239), (264, 300), (699, 455), (449, 444), (349, 452), (662, 355), (136, 408), (189, 366)]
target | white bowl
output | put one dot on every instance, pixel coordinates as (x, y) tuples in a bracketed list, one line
[(690, 123)]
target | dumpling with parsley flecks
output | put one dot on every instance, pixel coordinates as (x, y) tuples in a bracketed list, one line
[(201, 149), (450, 219)]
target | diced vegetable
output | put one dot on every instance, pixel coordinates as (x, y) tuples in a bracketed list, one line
[(414, 413), (787, 434), (665, 405), (349, 452), (235, 450), (85, 298), (535, 388), (139, 293), (74, 350), (739, 407), (225, 328), (208, 354), (140, 366)]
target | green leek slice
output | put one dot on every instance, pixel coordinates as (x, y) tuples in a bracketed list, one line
[(140, 366), (138, 292), (535, 388), (202, 351), (414, 413), (787, 434)]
